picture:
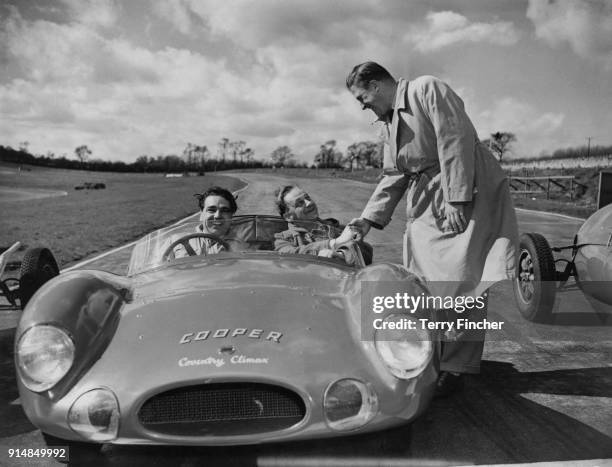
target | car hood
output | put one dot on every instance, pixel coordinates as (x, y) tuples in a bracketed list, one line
[(231, 272), (237, 319)]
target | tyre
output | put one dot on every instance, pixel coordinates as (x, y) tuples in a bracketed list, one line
[(37, 267), (535, 283)]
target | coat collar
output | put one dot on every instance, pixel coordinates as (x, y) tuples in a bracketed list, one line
[(401, 98), (400, 105)]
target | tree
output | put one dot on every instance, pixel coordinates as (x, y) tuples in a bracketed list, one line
[(82, 153), (328, 156), (200, 154), (195, 156), (248, 154), (223, 145), (500, 143), (237, 148), (362, 154), (282, 156), (144, 162), (188, 154), (23, 146)]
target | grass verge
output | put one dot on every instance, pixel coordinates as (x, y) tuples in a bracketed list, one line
[(85, 222), (560, 203)]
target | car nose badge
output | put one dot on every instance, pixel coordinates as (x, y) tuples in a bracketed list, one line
[(227, 350)]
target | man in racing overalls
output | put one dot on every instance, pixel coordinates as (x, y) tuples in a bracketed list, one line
[(307, 232), (217, 206)]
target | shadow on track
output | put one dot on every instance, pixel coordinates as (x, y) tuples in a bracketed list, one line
[(491, 421)]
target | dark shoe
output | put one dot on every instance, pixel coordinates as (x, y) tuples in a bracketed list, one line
[(448, 384)]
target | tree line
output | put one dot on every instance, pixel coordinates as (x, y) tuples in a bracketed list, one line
[(358, 156), (194, 158), (230, 154)]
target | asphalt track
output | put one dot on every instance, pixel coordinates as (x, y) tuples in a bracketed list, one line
[(544, 393), (21, 194)]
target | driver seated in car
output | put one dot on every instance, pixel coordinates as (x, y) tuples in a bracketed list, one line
[(217, 206), (308, 233)]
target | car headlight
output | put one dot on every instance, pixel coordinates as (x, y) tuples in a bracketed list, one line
[(44, 355), (405, 352), (349, 404), (95, 415)]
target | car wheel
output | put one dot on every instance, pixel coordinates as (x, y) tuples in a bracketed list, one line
[(37, 267), (535, 282), (77, 451)]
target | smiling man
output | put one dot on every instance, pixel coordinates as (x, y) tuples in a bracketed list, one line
[(217, 206), (308, 233), (461, 233)]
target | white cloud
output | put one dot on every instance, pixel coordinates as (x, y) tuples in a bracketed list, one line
[(123, 100), (535, 131), (177, 12), (585, 25), (447, 28), (102, 13), (262, 23), (268, 72)]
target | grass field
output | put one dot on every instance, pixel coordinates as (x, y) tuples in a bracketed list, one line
[(84, 222)]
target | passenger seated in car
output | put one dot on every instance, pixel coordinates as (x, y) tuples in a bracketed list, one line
[(217, 206), (308, 233)]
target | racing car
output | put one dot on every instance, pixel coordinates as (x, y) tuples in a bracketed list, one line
[(590, 264), (239, 347)]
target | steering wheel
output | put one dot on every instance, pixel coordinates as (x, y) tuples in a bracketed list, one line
[(184, 241)]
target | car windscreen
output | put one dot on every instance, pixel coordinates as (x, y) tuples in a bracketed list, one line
[(148, 251), (247, 233)]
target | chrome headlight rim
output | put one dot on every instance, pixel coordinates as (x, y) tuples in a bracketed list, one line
[(383, 349), (367, 411), (80, 406), (26, 376)]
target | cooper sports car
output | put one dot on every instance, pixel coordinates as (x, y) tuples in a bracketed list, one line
[(239, 347), (589, 264)]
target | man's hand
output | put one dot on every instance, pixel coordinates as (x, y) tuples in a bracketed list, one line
[(342, 254), (359, 228), (347, 236), (325, 253), (456, 216)]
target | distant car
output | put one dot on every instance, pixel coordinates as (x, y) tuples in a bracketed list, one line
[(538, 278), (233, 348)]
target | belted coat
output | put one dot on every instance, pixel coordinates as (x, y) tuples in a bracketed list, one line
[(432, 154)]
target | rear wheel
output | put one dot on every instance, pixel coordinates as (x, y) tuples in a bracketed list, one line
[(535, 284), (37, 267)]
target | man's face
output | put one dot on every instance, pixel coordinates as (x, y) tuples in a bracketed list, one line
[(300, 206), (372, 97), (216, 216)]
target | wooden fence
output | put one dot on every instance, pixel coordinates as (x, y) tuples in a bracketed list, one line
[(540, 185)]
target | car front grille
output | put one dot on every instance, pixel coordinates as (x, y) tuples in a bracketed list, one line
[(222, 409)]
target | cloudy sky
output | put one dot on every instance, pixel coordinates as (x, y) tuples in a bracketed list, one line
[(145, 77)]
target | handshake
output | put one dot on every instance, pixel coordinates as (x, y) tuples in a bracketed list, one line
[(353, 232)]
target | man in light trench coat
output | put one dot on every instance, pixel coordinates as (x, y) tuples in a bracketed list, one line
[(461, 234)]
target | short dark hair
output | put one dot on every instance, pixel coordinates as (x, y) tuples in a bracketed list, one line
[(217, 191), (365, 72), (279, 198)]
